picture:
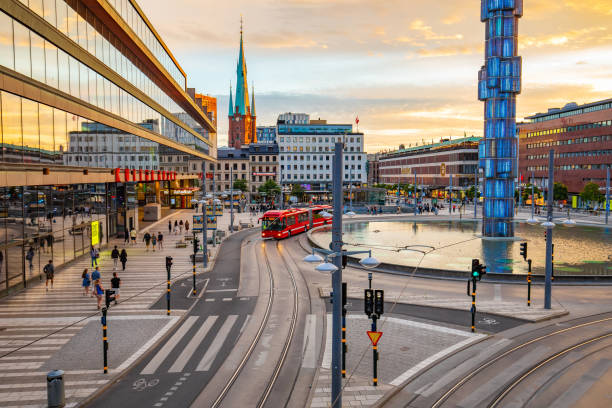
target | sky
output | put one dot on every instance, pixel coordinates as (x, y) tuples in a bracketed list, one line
[(407, 68)]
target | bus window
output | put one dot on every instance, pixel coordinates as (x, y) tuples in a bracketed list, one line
[(290, 220), (273, 224)]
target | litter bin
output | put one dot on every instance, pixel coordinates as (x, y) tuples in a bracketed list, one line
[(55, 389)]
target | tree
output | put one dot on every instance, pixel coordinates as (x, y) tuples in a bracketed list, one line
[(297, 191), (560, 192), (269, 188), (402, 146), (470, 192), (240, 184), (591, 193), (527, 192)]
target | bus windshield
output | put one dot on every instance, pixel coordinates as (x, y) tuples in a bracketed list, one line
[(274, 224)]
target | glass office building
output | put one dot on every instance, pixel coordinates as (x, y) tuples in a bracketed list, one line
[(499, 81), (90, 100)]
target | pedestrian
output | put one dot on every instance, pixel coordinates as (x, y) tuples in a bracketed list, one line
[(187, 227), (126, 236), (95, 276), (99, 291), (175, 227), (49, 271), (115, 283), (115, 257), (41, 243), (169, 227), (30, 258), (133, 236), (147, 240), (181, 226), (154, 241), (86, 282), (123, 258), (160, 240), (93, 253), (50, 242)]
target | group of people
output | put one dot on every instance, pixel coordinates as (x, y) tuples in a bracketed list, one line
[(178, 227), (156, 240), (95, 278)]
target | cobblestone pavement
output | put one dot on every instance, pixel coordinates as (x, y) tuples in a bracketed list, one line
[(405, 347), (38, 327)]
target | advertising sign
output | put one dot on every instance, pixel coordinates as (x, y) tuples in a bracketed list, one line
[(197, 223), (95, 233), (211, 222)]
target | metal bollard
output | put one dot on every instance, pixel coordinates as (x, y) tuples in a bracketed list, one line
[(56, 396)]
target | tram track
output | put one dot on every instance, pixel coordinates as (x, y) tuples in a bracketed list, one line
[(473, 373)]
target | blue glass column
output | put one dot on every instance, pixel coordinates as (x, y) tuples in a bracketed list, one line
[(499, 81)]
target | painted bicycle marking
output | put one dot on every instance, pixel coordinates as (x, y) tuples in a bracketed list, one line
[(141, 384)]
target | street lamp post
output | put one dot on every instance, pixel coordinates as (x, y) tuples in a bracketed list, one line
[(450, 194), (415, 193), (205, 232), (607, 193), (549, 225), (231, 198), (476, 192), (282, 198)]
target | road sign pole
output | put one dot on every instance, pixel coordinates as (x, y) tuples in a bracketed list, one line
[(374, 355), (104, 340), (607, 193), (195, 250), (529, 282), (205, 236), (450, 194), (415, 193), (473, 310), (168, 266), (344, 346), (549, 232), (476, 192)]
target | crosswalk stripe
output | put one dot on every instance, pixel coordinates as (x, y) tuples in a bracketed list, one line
[(217, 343), (310, 342), (184, 357), (169, 346)]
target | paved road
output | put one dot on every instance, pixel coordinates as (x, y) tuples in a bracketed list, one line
[(555, 365), (175, 371)]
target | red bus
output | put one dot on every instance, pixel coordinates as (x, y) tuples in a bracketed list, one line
[(281, 224)]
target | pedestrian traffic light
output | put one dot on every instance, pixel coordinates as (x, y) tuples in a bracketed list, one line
[(524, 250), (379, 302), (344, 260), (196, 245), (368, 302), (478, 270), (168, 263), (344, 293), (109, 296)]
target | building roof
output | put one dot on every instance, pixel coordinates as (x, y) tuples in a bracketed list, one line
[(231, 153), (263, 148), (571, 109), (433, 146)]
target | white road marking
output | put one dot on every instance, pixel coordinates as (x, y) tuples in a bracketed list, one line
[(497, 296), (310, 342), (169, 346), (148, 344), (209, 300), (222, 290), (217, 343), (227, 299), (193, 344), (326, 363)]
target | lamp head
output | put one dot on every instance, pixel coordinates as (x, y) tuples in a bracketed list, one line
[(312, 258), (326, 267), (369, 262)]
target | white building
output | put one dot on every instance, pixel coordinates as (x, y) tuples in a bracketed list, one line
[(290, 118)]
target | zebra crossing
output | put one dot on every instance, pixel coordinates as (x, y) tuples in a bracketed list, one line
[(199, 340)]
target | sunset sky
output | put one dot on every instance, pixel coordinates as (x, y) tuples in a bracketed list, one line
[(408, 68)]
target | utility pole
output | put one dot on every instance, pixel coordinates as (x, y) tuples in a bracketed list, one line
[(282, 194), (532, 194), (351, 187), (336, 388), (232, 197), (607, 193), (450, 194), (476, 192), (415, 194), (549, 231)]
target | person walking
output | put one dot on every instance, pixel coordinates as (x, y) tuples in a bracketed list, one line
[(133, 236), (187, 227), (41, 243), (147, 240), (30, 257), (154, 241), (169, 227), (176, 227), (115, 283), (123, 258), (126, 236), (181, 227), (93, 253), (49, 271), (99, 291), (86, 282), (160, 240), (95, 277), (115, 257)]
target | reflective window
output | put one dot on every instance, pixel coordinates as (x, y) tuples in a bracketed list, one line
[(31, 137), (38, 57), (51, 65), (11, 128), (6, 41), (45, 115), (22, 49)]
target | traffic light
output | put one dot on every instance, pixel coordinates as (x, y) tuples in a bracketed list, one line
[(478, 270), (368, 302), (344, 260), (343, 293), (524, 250), (196, 245), (109, 296), (379, 302), (545, 236), (168, 263)]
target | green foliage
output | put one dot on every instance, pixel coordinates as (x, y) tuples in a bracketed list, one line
[(560, 192), (297, 191), (240, 184), (591, 193), (527, 192), (269, 188), (470, 192)]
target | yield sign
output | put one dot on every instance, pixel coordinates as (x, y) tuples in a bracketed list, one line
[(374, 336)]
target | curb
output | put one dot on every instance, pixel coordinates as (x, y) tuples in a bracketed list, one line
[(145, 229)]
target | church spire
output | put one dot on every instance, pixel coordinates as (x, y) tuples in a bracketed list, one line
[(242, 88), (231, 103), (253, 113)]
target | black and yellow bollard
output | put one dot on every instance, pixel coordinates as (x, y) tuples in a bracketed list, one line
[(104, 341), (344, 346), (529, 282), (168, 266)]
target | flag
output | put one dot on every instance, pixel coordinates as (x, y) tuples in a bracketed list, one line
[(357, 120)]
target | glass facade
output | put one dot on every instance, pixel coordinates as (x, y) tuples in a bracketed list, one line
[(40, 223), (499, 81), (41, 60)]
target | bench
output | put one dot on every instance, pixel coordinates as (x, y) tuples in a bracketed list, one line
[(181, 244)]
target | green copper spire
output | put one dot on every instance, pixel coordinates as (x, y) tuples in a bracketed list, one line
[(242, 88), (253, 113), (231, 103)]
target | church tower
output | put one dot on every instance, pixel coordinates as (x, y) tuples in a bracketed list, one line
[(241, 115)]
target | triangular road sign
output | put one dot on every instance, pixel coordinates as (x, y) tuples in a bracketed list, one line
[(374, 336)]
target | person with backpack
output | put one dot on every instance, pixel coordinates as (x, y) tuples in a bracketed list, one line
[(147, 240), (86, 282), (93, 253), (115, 283), (49, 271), (154, 241), (95, 276), (115, 257), (123, 258), (99, 291)]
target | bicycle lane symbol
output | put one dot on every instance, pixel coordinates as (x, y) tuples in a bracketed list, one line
[(141, 384)]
